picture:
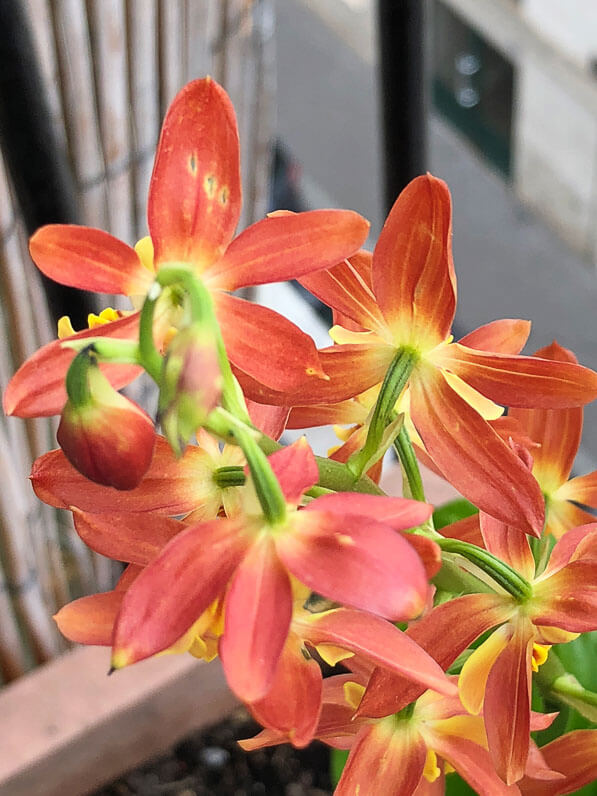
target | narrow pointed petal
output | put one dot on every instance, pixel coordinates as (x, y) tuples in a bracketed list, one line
[(507, 708), (293, 704), (571, 546), (258, 611), (170, 486), (38, 388), (346, 289), (398, 513), (508, 544), (195, 191), (506, 336), (412, 262), (582, 489), (384, 761), (89, 259), (176, 588), (521, 381), (575, 756), (467, 617), (342, 413), (295, 468), (267, 346), (351, 369), (288, 246), (473, 763), (473, 457), (133, 537), (357, 562), (378, 640)]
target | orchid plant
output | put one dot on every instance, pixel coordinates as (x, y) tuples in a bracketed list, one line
[(448, 640)]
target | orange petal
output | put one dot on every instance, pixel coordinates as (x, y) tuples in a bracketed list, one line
[(562, 516), (89, 259), (473, 764), (472, 456), (507, 708), (568, 598), (293, 703), (271, 420), (351, 369), (286, 247), (384, 760), (467, 617), (474, 673), (413, 272), (508, 544), (521, 381), (295, 468), (467, 530), (176, 588), (575, 756), (344, 412), (195, 192), (38, 388), (355, 561), (582, 489), (258, 610), (376, 639), (90, 620), (346, 289), (507, 336), (398, 513), (267, 346), (140, 537), (170, 486)]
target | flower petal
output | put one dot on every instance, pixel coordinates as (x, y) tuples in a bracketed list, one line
[(521, 381), (472, 456), (258, 610), (467, 617), (89, 259), (346, 289), (195, 191), (355, 561), (295, 468), (271, 420), (176, 588), (170, 486), (293, 704), (507, 336), (568, 598), (90, 620), (413, 272), (378, 640), (508, 544), (351, 369), (267, 346), (473, 676), (383, 760), (582, 489), (133, 537), (473, 764), (507, 708), (575, 756), (38, 388), (398, 513), (288, 246)]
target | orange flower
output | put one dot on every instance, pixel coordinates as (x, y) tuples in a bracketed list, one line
[(402, 301)]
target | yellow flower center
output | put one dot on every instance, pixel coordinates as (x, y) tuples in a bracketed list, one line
[(539, 655)]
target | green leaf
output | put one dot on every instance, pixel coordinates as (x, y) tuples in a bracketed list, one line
[(338, 758), (452, 512)]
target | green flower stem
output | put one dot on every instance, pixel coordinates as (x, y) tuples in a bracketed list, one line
[(202, 310), (149, 357), (499, 571), (77, 382), (408, 460), (454, 580), (269, 492), (108, 349), (395, 381)]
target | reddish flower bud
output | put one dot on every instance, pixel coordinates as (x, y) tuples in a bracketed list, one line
[(104, 435), (191, 384)]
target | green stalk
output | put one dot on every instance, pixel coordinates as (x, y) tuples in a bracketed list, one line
[(77, 383), (410, 466), (149, 357), (395, 381), (499, 571)]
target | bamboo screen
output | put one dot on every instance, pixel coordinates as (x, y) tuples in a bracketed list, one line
[(109, 69)]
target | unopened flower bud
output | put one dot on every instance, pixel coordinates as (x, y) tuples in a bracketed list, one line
[(105, 436), (191, 384)]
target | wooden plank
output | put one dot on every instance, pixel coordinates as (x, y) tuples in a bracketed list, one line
[(67, 728)]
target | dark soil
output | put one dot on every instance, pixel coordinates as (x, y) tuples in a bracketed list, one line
[(210, 763)]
